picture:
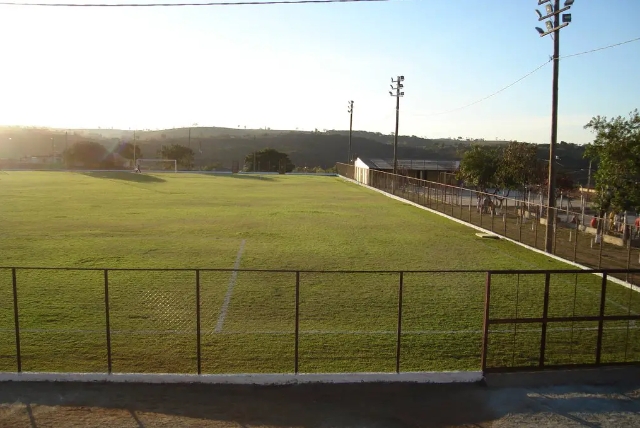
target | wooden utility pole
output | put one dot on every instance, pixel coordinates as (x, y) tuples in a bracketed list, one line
[(350, 111)]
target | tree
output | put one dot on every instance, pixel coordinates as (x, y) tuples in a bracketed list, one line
[(519, 167), (268, 160), (478, 167), (183, 155), (126, 151), (88, 154), (616, 147)]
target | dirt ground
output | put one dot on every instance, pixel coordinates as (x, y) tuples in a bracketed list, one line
[(603, 398)]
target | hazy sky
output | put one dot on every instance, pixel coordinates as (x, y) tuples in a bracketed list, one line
[(296, 66)]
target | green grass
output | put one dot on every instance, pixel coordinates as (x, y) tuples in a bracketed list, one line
[(347, 321)]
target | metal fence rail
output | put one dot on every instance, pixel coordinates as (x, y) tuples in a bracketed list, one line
[(301, 321), (593, 329), (593, 241)]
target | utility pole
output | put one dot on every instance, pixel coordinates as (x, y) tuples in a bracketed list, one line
[(134, 148), (66, 141), (350, 111), (189, 139), (589, 182), (553, 28), (398, 94)]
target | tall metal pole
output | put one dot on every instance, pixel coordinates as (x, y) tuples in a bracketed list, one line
[(350, 129), (189, 140), (395, 136), (551, 201), (398, 94)]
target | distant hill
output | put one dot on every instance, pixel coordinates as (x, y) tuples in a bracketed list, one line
[(215, 145)]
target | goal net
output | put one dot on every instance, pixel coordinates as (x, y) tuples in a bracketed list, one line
[(157, 165)]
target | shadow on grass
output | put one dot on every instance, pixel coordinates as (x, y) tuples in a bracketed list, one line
[(125, 176), (268, 177)]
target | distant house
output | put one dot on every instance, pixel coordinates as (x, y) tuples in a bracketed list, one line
[(423, 169)]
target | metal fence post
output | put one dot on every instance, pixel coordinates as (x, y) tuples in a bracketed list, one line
[(628, 227), (505, 215), (575, 244), (545, 313), (470, 199), (603, 300), (485, 327), (198, 324), (107, 319), (521, 220), (16, 320), (492, 216), (602, 226), (297, 327), (555, 228), (460, 201), (399, 339)]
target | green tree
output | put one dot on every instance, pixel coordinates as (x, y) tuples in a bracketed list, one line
[(479, 166), (126, 151), (87, 154), (269, 160), (183, 155), (519, 167), (616, 148)]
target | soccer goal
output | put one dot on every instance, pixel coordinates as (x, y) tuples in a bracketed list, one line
[(157, 164)]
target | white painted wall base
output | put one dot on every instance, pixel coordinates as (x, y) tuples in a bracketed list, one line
[(248, 379)]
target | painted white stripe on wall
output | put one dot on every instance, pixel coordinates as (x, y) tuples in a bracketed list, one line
[(248, 379)]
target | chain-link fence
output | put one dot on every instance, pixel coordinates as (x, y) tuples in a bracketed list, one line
[(282, 321), (606, 242)]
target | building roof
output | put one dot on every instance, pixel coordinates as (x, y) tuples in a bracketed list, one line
[(412, 164)]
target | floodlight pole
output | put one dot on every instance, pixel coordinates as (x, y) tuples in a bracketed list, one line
[(398, 94), (551, 202), (551, 186), (134, 148), (350, 111)]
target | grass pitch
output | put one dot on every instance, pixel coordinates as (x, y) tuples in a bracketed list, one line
[(347, 321)]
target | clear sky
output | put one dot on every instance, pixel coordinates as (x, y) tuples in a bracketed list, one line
[(296, 66)]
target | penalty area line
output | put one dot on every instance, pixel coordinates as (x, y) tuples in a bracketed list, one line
[(232, 283)]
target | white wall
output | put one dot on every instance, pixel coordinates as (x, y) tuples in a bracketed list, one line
[(361, 172)]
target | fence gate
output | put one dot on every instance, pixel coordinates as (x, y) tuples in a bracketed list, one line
[(537, 320)]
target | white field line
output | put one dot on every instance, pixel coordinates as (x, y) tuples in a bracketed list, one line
[(318, 332), (232, 283)]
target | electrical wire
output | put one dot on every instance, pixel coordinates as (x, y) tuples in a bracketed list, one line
[(524, 77), (600, 49), (488, 96), (226, 3)]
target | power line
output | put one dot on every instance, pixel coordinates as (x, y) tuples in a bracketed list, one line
[(600, 49), (488, 96), (227, 3), (524, 77)]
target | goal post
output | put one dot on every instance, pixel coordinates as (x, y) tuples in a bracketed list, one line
[(157, 164)]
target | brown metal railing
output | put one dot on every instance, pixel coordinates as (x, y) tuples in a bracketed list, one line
[(176, 297), (569, 353), (521, 220)]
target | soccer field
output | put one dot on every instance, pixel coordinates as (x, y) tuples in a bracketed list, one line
[(197, 221)]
